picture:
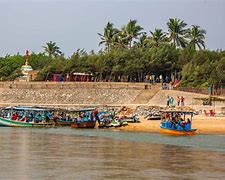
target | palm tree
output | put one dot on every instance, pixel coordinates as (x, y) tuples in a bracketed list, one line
[(157, 37), (52, 49), (119, 40), (177, 31), (196, 36), (142, 41), (107, 36), (132, 31)]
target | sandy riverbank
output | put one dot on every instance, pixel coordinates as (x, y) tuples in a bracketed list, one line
[(205, 125)]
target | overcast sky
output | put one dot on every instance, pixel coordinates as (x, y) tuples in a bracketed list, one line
[(74, 24)]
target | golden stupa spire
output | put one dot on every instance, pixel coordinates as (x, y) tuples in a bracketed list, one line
[(27, 57)]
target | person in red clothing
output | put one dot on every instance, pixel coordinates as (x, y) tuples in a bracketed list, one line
[(15, 116)]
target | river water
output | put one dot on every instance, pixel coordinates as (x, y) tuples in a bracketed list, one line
[(65, 153)]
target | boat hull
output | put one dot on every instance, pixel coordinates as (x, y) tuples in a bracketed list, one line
[(87, 124), (154, 118), (64, 123), (177, 132), (12, 123)]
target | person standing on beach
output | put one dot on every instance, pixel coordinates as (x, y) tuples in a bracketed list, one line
[(150, 78), (168, 101), (146, 78), (161, 78), (153, 78), (171, 101), (178, 101), (182, 100)]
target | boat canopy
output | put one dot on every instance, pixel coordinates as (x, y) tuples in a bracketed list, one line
[(26, 108), (35, 108), (85, 109)]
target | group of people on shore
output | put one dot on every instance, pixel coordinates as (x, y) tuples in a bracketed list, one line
[(170, 101)]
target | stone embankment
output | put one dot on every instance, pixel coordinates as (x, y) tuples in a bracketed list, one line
[(80, 94), (71, 94)]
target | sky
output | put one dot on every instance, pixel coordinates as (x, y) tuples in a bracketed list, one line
[(73, 24)]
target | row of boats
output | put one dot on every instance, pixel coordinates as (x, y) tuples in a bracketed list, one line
[(27, 116), (172, 121)]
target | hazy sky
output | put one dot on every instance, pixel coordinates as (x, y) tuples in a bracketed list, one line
[(74, 24)]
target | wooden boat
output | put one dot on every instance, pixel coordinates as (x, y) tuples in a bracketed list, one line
[(12, 123), (86, 118), (131, 119), (83, 124), (177, 132), (64, 123), (173, 124), (154, 117), (7, 121)]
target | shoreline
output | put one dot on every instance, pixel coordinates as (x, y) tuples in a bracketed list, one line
[(204, 125)]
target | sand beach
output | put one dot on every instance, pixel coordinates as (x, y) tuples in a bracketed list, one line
[(204, 124)]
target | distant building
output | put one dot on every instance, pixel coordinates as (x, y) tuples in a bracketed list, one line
[(74, 77), (83, 77)]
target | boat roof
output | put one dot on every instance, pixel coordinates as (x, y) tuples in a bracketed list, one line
[(26, 108), (85, 109), (35, 108)]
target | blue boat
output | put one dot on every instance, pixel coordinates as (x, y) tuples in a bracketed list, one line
[(173, 123)]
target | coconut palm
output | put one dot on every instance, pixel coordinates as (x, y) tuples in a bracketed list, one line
[(142, 41), (157, 37), (196, 36), (107, 36), (132, 31), (120, 40), (52, 49), (177, 31)]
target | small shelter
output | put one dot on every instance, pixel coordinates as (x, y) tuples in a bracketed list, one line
[(79, 77)]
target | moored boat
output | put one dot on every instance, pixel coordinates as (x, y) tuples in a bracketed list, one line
[(12, 123), (24, 116), (86, 118), (177, 132), (172, 123)]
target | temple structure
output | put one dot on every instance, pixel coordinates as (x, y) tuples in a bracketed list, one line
[(26, 68), (28, 74)]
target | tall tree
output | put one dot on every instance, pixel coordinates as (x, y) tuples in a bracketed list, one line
[(142, 41), (196, 36), (107, 36), (120, 40), (52, 49), (132, 31), (157, 37), (177, 31)]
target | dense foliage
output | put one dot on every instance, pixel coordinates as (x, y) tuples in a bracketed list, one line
[(129, 54)]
